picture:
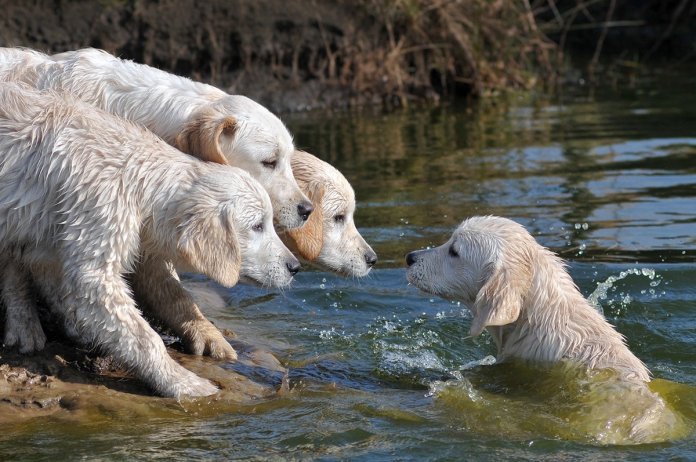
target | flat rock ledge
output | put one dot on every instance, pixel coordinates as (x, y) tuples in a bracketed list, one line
[(69, 383)]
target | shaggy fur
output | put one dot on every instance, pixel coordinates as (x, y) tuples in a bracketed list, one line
[(197, 118), (330, 237), (522, 294), (83, 194), (200, 120)]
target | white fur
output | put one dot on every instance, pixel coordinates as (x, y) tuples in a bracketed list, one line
[(330, 237), (522, 294), (198, 118), (83, 194)]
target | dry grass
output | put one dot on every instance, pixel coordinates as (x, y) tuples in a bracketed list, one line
[(292, 54), (416, 47)]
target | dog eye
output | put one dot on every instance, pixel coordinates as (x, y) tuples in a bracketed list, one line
[(339, 218), (270, 164), (258, 227), (453, 252)]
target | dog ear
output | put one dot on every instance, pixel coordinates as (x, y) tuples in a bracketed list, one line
[(201, 136), (211, 247), (499, 302), (310, 237)]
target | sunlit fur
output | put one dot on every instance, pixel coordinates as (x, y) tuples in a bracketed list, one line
[(198, 118), (522, 294), (326, 238), (84, 193)]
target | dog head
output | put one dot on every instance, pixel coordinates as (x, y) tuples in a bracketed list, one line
[(330, 237), (485, 264), (227, 230), (237, 131)]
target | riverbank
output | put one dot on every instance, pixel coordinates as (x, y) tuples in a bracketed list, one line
[(293, 56)]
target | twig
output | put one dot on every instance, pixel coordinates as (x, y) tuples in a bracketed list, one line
[(602, 25), (600, 41), (675, 17)]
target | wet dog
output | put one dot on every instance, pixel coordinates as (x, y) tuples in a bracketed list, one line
[(84, 193), (522, 294)]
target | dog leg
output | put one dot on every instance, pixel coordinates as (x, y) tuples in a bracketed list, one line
[(105, 315), (22, 324), (156, 283)]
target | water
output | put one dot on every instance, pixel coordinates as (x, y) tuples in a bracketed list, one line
[(381, 371)]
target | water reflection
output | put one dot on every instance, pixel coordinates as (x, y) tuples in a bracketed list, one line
[(606, 180), (550, 166)]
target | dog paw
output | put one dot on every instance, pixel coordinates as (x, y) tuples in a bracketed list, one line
[(29, 338), (203, 338), (194, 386)]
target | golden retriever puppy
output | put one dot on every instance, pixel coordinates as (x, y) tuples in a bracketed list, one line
[(83, 193), (330, 237), (197, 118), (522, 294)]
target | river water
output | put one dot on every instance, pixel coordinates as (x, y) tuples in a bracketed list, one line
[(381, 371)]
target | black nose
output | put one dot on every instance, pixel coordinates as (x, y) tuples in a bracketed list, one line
[(411, 258), (293, 267), (370, 258), (304, 210)]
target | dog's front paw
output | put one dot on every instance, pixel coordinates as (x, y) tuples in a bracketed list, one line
[(194, 386), (203, 338), (28, 337)]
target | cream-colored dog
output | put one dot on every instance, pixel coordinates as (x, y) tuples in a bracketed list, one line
[(330, 237), (522, 294), (197, 118), (83, 193)]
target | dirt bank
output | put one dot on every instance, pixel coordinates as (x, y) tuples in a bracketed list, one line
[(293, 55)]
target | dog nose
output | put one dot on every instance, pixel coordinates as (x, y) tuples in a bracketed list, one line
[(411, 258), (370, 258), (304, 210), (293, 267)]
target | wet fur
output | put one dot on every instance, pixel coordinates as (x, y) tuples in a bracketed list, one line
[(334, 244), (195, 117), (83, 194), (522, 294)]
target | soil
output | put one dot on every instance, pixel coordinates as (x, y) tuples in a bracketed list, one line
[(272, 51), (68, 381)]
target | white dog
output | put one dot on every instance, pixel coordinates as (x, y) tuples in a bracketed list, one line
[(522, 294), (200, 120), (83, 193), (330, 237)]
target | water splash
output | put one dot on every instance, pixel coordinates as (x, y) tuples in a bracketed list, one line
[(603, 288), (485, 361)]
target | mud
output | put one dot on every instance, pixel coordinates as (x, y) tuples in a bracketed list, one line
[(68, 381), (277, 52)]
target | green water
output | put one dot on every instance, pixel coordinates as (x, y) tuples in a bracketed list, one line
[(606, 178)]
